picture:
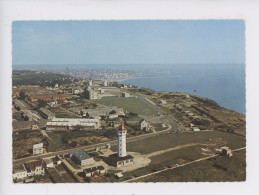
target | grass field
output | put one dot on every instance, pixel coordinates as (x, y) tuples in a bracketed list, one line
[(23, 142), (172, 140), (217, 169), (57, 143), (134, 105), (178, 156)]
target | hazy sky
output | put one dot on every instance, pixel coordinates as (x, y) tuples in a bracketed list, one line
[(128, 42)]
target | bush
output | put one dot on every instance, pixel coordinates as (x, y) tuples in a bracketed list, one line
[(73, 143)]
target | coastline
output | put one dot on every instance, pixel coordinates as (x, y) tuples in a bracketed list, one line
[(153, 77)]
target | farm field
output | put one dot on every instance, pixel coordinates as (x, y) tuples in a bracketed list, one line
[(130, 104), (167, 141), (216, 169)]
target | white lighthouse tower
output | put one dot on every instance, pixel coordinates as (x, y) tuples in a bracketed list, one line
[(122, 141)]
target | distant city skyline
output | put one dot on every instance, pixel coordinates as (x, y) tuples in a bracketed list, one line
[(129, 42)]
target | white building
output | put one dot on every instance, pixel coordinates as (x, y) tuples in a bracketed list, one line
[(122, 141), (19, 172), (34, 127), (72, 124), (48, 162), (226, 151), (89, 83), (37, 148), (91, 94), (125, 94), (104, 83), (195, 129), (35, 168), (29, 115), (121, 158), (162, 102), (144, 125), (94, 171)]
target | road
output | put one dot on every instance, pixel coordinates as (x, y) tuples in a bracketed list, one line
[(90, 147)]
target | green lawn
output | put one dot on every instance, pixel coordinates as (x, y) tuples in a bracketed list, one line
[(172, 140), (131, 104)]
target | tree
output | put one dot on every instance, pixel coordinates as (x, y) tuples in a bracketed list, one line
[(41, 103), (113, 112), (73, 143), (22, 95)]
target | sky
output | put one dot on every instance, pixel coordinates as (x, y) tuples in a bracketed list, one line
[(128, 42)]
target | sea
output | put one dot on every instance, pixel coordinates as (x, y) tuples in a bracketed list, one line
[(223, 83)]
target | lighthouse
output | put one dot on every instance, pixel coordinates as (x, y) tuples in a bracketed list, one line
[(122, 141), (121, 158)]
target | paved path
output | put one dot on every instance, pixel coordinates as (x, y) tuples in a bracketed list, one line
[(175, 148)]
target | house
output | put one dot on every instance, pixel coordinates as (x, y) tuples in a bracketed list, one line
[(89, 83), (48, 163), (76, 90), (80, 157), (29, 115), (117, 161), (125, 94), (226, 151), (19, 172), (34, 127), (195, 129), (162, 102), (101, 90), (20, 105), (115, 124), (112, 116), (103, 149), (104, 83), (72, 124), (119, 175), (94, 171), (35, 168), (191, 125), (144, 125), (45, 113), (91, 94), (37, 148)]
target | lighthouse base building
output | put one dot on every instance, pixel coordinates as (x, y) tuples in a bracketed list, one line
[(121, 158), (117, 161)]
